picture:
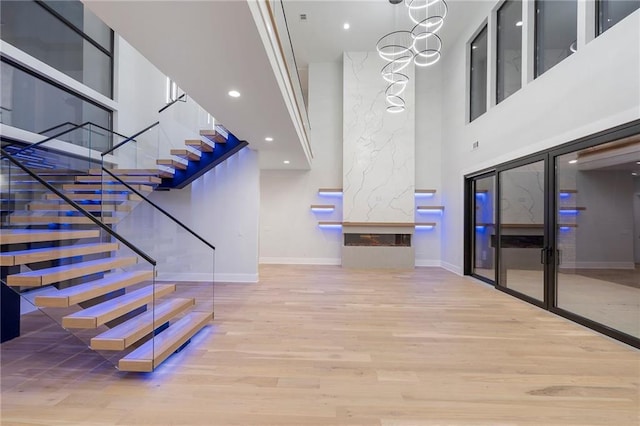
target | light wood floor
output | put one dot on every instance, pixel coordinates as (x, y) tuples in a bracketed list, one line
[(327, 346)]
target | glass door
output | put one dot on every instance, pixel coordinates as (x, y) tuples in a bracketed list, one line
[(484, 222), (521, 239), (598, 234)]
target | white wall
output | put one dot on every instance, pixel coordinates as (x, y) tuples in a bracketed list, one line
[(222, 206), (289, 231), (140, 89), (428, 166), (592, 90)]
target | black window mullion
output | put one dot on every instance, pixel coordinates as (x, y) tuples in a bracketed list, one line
[(76, 29)]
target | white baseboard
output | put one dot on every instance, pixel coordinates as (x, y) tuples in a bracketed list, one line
[(451, 268), (203, 277), (300, 261), (430, 263), (597, 265)]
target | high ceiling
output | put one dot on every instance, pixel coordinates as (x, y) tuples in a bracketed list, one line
[(211, 47), (321, 37)]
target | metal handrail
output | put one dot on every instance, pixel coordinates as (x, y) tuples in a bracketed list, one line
[(69, 123), (113, 148), (173, 102), (57, 135), (182, 225), (79, 208)]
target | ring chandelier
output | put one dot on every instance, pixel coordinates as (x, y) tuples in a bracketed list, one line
[(421, 45)]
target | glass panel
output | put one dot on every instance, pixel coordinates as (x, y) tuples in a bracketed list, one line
[(509, 57), (478, 95), (35, 105), (83, 19), (62, 264), (556, 32), (31, 28), (611, 12), (598, 238), (484, 222), (522, 229)]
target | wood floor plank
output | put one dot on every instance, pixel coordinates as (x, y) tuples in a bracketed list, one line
[(322, 345)]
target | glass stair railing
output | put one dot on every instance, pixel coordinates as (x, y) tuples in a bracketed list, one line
[(62, 253)]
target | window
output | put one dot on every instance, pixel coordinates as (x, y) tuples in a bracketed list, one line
[(509, 49), (610, 12), (61, 34), (478, 82), (34, 104), (556, 32)]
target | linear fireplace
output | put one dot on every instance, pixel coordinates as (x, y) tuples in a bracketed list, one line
[(378, 245)]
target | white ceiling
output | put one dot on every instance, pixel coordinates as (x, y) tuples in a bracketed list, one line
[(211, 47), (321, 38)]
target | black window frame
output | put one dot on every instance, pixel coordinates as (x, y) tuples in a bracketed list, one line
[(497, 93), (599, 8), (484, 30)]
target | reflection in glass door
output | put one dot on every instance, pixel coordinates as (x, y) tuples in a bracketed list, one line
[(484, 227), (521, 230), (597, 216)]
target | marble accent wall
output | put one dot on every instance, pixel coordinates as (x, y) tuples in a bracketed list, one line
[(378, 146)]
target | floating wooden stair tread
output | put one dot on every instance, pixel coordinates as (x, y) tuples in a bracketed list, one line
[(152, 353), (125, 172), (186, 154), (96, 197), (128, 179), (17, 236), (101, 313), (107, 187), (74, 220), (199, 144), (66, 272), (124, 335), (37, 206), (165, 174), (82, 292), (171, 163), (213, 136), (22, 257)]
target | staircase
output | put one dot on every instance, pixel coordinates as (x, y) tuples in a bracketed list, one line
[(198, 157), (58, 249)]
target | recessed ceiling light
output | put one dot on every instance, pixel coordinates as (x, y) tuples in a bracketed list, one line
[(637, 162), (286, 161), (573, 161), (268, 139), (634, 174), (346, 26), (234, 93), (519, 24), (474, 46)]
